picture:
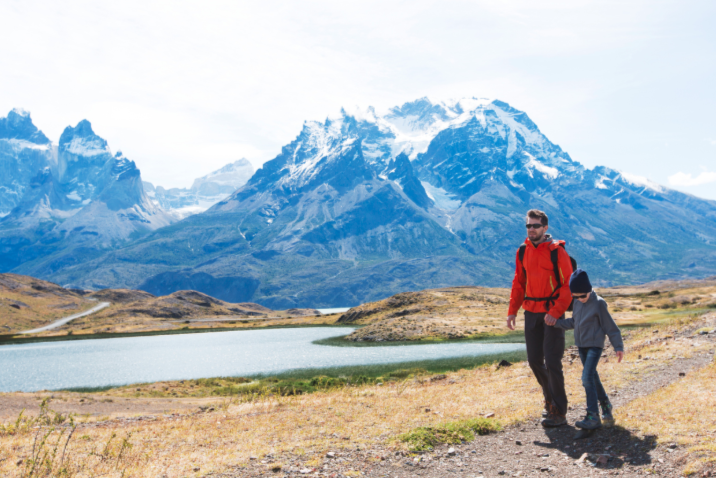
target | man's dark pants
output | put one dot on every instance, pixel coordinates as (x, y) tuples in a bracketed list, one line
[(545, 349)]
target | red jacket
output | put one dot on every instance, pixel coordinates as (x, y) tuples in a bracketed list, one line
[(540, 281)]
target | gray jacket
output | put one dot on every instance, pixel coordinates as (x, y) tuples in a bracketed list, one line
[(591, 323)]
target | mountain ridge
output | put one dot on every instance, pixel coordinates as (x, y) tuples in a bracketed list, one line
[(363, 205), (204, 192)]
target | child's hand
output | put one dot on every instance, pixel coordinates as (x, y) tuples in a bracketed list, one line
[(620, 356)]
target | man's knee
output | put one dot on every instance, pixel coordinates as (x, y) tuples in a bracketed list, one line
[(553, 361), (536, 363)]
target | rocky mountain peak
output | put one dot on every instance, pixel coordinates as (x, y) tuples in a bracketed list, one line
[(18, 125), (82, 141)]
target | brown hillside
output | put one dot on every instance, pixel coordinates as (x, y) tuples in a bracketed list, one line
[(26, 302)]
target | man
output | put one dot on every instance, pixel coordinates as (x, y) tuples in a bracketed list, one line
[(537, 289)]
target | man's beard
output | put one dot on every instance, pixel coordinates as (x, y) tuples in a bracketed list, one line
[(538, 238)]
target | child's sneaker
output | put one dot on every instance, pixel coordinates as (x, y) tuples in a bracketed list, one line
[(591, 422), (607, 417)]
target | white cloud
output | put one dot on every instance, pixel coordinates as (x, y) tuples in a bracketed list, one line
[(684, 179)]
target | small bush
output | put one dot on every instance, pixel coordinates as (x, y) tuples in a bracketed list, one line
[(324, 382), (288, 388), (406, 372), (427, 438)]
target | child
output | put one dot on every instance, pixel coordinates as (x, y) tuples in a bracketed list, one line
[(591, 322)]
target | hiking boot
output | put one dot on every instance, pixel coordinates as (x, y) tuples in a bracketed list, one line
[(591, 422), (554, 420), (607, 417), (547, 409)]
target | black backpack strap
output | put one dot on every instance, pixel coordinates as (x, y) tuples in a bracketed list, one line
[(554, 255), (521, 256)]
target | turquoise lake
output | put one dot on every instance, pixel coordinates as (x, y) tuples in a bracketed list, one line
[(102, 362)]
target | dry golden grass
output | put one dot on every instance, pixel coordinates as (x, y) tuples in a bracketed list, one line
[(448, 313), (469, 312), (682, 413), (27, 303), (312, 424)]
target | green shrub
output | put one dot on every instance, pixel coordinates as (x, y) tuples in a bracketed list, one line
[(324, 382), (427, 438), (406, 372), (288, 388)]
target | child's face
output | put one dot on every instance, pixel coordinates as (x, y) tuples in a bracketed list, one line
[(583, 298)]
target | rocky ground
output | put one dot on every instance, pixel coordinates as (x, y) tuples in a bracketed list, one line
[(526, 450)]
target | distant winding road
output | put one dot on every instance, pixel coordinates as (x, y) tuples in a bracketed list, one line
[(60, 322)]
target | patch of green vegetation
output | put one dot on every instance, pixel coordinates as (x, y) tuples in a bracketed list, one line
[(419, 367), (512, 337), (88, 389), (298, 382), (427, 438)]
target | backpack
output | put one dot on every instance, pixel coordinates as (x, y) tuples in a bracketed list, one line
[(554, 256)]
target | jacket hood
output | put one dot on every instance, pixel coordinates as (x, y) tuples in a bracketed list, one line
[(548, 239)]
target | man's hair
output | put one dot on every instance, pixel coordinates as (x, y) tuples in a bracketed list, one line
[(537, 214)]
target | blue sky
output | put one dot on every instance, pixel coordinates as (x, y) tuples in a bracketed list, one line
[(183, 88)]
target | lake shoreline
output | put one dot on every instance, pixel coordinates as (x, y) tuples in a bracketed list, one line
[(16, 339), (263, 352), (508, 337)]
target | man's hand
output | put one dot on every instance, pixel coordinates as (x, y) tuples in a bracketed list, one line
[(620, 356), (511, 321), (549, 320)]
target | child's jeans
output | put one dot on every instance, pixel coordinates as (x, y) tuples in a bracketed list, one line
[(590, 378)]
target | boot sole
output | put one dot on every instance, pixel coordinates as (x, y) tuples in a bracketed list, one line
[(588, 428), (553, 424)]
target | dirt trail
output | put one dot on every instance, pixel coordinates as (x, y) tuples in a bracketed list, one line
[(525, 450), (58, 323)]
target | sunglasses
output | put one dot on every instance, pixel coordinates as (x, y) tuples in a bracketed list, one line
[(533, 226), (579, 296)]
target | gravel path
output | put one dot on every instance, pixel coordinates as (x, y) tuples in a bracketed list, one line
[(61, 322), (526, 450)]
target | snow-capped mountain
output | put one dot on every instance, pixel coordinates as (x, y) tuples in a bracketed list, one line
[(428, 194), (24, 151), (79, 195), (204, 193)]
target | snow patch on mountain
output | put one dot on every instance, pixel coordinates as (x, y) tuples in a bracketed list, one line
[(641, 181), (87, 147), (541, 167), (441, 198), (19, 144)]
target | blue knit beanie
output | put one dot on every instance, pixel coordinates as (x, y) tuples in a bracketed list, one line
[(579, 282)]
